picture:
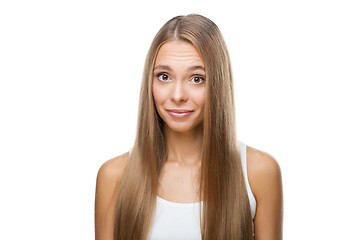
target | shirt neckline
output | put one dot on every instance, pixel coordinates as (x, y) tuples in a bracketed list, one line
[(161, 200)]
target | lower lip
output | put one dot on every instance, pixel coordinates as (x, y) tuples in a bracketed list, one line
[(179, 115)]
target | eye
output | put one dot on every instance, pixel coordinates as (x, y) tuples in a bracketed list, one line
[(163, 77), (197, 79)]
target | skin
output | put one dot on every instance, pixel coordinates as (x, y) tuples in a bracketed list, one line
[(179, 82)]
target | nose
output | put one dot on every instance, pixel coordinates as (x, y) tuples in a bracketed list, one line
[(178, 93)]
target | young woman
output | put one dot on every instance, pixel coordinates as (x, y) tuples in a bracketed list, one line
[(187, 176)]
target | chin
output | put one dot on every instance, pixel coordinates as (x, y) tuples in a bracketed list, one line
[(184, 128)]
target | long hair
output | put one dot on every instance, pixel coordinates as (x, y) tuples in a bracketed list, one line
[(226, 208)]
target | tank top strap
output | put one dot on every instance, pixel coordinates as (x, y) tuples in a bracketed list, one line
[(252, 200)]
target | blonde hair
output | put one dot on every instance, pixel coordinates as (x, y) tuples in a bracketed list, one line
[(226, 209)]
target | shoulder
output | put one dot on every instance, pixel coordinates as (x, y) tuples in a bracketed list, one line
[(108, 179), (107, 183), (265, 180), (113, 168), (261, 162), (263, 171)]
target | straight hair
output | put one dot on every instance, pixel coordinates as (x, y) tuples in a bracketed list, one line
[(226, 208)]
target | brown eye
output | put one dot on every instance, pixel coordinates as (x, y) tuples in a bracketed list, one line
[(162, 77), (197, 79)]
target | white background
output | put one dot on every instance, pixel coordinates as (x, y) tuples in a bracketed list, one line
[(70, 75)]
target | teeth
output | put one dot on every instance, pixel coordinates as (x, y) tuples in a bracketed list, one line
[(179, 114)]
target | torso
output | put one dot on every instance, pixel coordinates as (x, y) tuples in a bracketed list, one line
[(177, 212), (261, 168), (180, 183)]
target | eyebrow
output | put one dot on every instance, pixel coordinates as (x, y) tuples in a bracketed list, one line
[(168, 68), (162, 67), (196, 68)]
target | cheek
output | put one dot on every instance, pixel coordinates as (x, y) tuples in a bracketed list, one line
[(200, 97), (158, 95)]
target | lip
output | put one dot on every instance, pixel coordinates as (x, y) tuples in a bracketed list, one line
[(179, 113)]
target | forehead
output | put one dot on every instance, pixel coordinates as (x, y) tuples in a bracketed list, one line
[(176, 52)]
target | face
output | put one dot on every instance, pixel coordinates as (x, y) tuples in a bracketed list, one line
[(179, 87)]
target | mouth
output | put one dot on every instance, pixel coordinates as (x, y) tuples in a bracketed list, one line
[(179, 113)]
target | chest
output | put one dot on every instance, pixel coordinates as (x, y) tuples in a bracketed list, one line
[(176, 221), (179, 183)]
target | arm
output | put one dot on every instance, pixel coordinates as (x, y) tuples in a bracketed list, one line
[(265, 180), (107, 184)]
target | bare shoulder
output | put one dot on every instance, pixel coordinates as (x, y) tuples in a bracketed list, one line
[(107, 184), (263, 170), (265, 180), (260, 162), (112, 169), (108, 178)]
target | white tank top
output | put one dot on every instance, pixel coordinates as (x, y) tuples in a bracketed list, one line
[(181, 221)]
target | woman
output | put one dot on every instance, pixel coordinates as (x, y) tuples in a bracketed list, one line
[(187, 176)]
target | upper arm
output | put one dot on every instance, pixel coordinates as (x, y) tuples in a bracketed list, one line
[(107, 183), (266, 184)]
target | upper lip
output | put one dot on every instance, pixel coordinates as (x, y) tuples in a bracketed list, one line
[(179, 110)]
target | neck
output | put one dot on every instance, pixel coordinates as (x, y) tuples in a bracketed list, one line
[(184, 148)]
